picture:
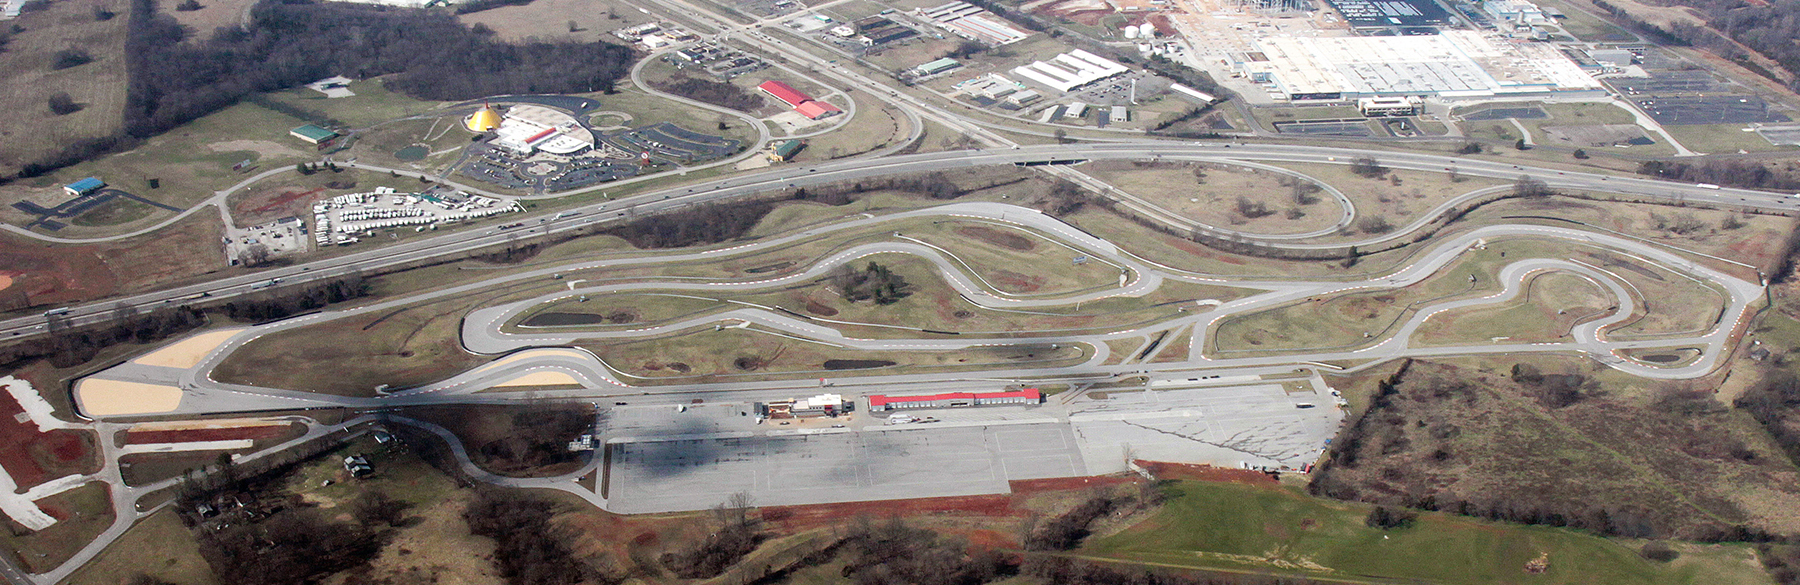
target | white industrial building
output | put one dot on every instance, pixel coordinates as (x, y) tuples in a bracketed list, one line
[(990, 86), (1390, 106), (527, 128), (1515, 11), (1070, 70), (1455, 64), (971, 22)]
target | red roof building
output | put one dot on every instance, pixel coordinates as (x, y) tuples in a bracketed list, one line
[(785, 93), (880, 402), (816, 109)]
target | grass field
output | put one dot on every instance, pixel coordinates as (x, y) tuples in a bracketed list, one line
[(158, 546), (81, 513), (1360, 318), (1400, 198), (549, 19), (1173, 186), (1585, 26), (1721, 139), (27, 80), (408, 348), (1551, 304), (876, 126), (1238, 527), (191, 163), (372, 104)]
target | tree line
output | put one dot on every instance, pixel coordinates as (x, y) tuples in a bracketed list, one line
[(1745, 174), (528, 548), (718, 93)]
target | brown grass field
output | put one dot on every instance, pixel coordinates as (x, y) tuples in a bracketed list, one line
[(26, 80), (549, 20), (1173, 187), (1684, 461), (54, 275)]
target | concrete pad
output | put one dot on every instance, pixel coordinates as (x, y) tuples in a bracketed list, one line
[(19, 508), (217, 423), (845, 466), (40, 412), (221, 445), (541, 378), (97, 397), (187, 353)]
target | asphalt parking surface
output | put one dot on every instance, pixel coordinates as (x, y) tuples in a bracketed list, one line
[(876, 464)]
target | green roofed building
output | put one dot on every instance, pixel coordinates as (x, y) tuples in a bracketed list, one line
[(785, 150), (936, 67), (313, 134)]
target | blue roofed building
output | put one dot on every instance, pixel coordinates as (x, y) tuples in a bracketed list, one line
[(84, 187)]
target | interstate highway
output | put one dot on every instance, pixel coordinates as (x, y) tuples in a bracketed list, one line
[(850, 170)]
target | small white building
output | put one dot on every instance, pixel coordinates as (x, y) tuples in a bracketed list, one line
[(1390, 106)]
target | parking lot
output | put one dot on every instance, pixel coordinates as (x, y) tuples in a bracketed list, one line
[(841, 466), (258, 243), (691, 457), (1715, 109)]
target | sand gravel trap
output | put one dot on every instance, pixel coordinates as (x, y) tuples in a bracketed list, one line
[(187, 353), (541, 378), (117, 398), (538, 353)]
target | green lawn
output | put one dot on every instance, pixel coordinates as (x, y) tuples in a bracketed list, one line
[(1240, 527)]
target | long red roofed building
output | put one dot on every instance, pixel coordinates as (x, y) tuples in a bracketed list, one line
[(881, 402), (798, 100)]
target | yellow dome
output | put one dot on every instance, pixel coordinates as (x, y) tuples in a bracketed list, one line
[(483, 120)]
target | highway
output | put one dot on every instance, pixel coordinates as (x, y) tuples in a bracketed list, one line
[(460, 242)]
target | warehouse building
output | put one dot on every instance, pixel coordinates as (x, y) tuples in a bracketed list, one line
[(882, 402), (313, 134), (971, 22), (1070, 70), (1454, 64), (84, 187), (804, 104), (936, 67)]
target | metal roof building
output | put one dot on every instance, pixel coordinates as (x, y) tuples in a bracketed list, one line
[(83, 187), (784, 92), (881, 402), (313, 134)]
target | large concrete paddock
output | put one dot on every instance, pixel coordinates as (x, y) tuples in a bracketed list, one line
[(918, 462)]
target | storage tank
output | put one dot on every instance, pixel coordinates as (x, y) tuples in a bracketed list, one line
[(1147, 31), (1131, 32)]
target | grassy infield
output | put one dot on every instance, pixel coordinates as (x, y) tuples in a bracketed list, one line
[(1250, 528)]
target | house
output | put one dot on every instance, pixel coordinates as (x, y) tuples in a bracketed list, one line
[(358, 466), (314, 134), (84, 187)]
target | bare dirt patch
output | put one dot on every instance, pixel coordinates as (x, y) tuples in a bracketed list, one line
[(53, 275)]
